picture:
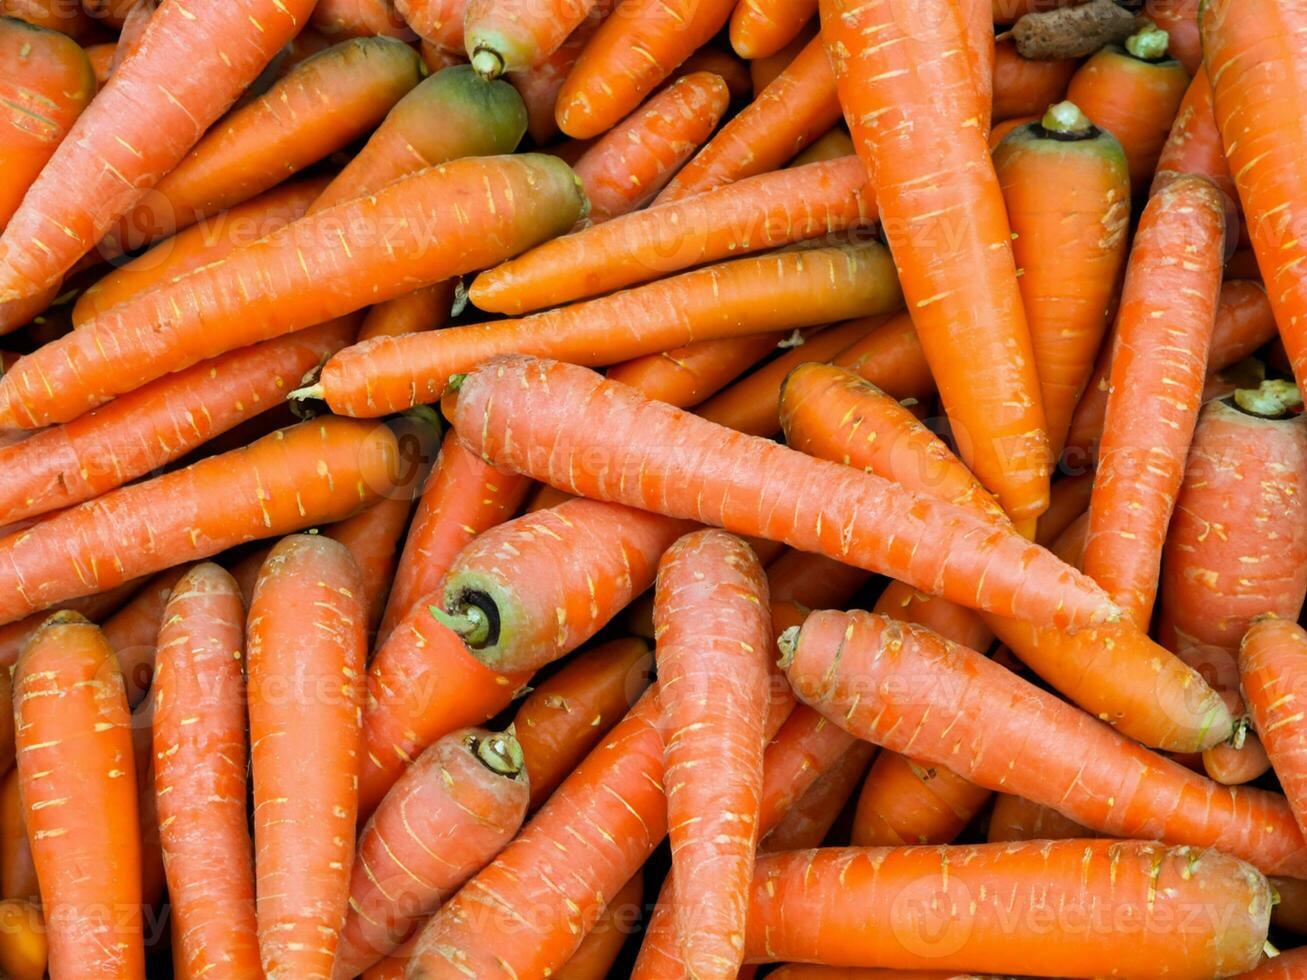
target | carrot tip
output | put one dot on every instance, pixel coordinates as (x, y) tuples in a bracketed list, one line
[(308, 392), (487, 63)]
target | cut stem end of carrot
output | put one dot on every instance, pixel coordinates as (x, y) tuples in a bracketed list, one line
[(1149, 43), (501, 753), (308, 392), (488, 64), (471, 624), (1065, 120), (787, 643), (1274, 398)]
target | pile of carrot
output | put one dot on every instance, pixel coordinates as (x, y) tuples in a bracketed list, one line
[(653, 489)]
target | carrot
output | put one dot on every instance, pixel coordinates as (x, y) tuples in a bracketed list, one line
[(594, 958), (78, 787), (807, 971), (306, 653), (358, 18), (1235, 766), (135, 22), (161, 422), (711, 58), (975, 716), (904, 802), (760, 28), (101, 57), (947, 276), (23, 950), (978, 39), (321, 106), (834, 144), (623, 170), (941, 907), (200, 756), (808, 822), (1179, 18), (1194, 143), (373, 538), (422, 309), (14, 636), (1068, 501), (1168, 309), (764, 71), (1282, 966), (314, 261), (452, 114), (1271, 659), (153, 876), (568, 714), (526, 593), (17, 870), (45, 83), (1017, 819), (133, 632), (792, 111), (741, 298), (6, 724), (438, 22), (891, 358), (54, 15), (685, 376), (1023, 87), (754, 214), (450, 813), (157, 107), (511, 35), (208, 240)]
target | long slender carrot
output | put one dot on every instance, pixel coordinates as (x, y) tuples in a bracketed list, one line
[(594, 958), (450, 813), (686, 376), (1024, 87), (1066, 184), (155, 109), (45, 83), (433, 225), (161, 422), (754, 214), (509, 35), (792, 289), (940, 907), (423, 309), (975, 716), (306, 652), (624, 169), (358, 18), (808, 822), (200, 758), (796, 108), (17, 869), (948, 232), (438, 22), (570, 712), (1164, 330), (76, 774), (1194, 143), (23, 947)]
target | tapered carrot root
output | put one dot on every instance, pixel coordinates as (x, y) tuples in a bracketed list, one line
[(939, 907), (964, 719), (23, 948), (200, 758), (596, 955), (422, 309), (527, 592), (760, 28), (76, 773), (311, 473), (306, 650), (1273, 671), (1017, 819), (373, 538), (450, 813)]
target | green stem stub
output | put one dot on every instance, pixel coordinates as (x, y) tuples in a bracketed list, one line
[(473, 616), (1066, 121), (1149, 43), (487, 63), (1274, 398), (787, 643), (500, 753)]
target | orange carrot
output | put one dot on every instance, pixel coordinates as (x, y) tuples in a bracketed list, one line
[(17, 870), (941, 907), (1235, 766), (1164, 330), (1271, 670), (76, 774), (373, 538), (509, 35), (6, 724), (568, 714), (422, 309), (622, 171), (793, 289), (807, 971), (1017, 819), (711, 58), (54, 15), (14, 636), (23, 948), (904, 802), (200, 757), (808, 822), (45, 83), (594, 958), (329, 264), (358, 18), (133, 632), (948, 275), (438, 22), (157, 107), (764, 71), (1023, 87), (1179, 18), (135, 22), (450, 813), (1282, 966), (1194, 143), (685, 376), (754, 214), (760, 28), (306, 652)]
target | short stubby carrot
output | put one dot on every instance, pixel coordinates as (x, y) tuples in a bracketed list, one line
[(948, 231), (307, 645), (1273, 674), (451, 812), (712, 628), (312, 473), (1159, 364), (567, 426), (421, 229), (194, 60), (1024, 87), (1193, 913), (507, 35), (525, 593), (78, 783), (625, 168), (200, 758), (792, 289), (756, 213), (978, 718), (1067, 188)]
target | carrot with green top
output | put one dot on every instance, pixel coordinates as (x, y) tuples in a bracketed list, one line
[(1066, 184), (792, 289), (509, 35), (960, 288), (1024, 87), (624, 169), (200, 758), (760, 28), (324, 265), (77, 777), (450, 813), (307, 645)]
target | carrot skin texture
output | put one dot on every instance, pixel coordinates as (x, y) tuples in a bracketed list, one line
[(423, 309), (311, 473), (686, 376), (358, 18), (595, 957), (71, 719), (1015, 818), (811, 905), (808, 822), (974, 712), (133, 632), (438, 22), (903, 802), (1272, 668), (760, 28), (307, 647), (1179, 18), (200, 758), (526, 198), (97, 607), (91, 180), (937, 227), (1194, 143), (448, 816)]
